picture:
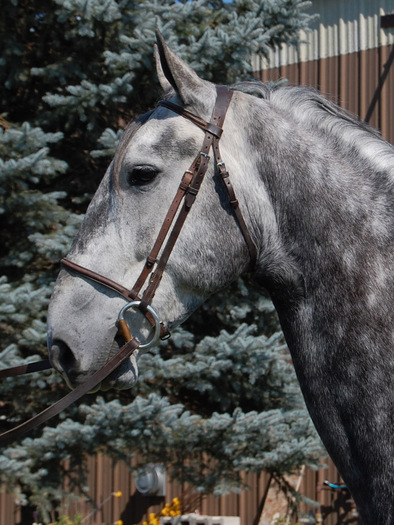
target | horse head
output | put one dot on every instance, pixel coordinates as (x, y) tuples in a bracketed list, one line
[(127, 212)]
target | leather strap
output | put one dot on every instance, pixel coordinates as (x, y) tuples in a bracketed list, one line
[(97, 278), (37, 366), (129, 295), (152, 257), (199, 168), (71, 397), (234, 203), (209, 127), (222, 103)]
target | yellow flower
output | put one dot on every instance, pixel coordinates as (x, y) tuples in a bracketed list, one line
[(166, 510), (153, 519), (118, 494)]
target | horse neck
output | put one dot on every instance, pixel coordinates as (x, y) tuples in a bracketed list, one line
[(329, 266), (333, 207), (335, 232)]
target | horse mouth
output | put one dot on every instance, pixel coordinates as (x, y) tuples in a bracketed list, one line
[(125, 376)]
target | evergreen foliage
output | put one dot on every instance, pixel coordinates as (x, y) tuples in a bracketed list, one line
[(221, 393)]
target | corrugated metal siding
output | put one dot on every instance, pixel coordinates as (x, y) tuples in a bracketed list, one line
[(349, 58), (105, 478), (99, 506), (10, 512), (362, 83), (342, 27)]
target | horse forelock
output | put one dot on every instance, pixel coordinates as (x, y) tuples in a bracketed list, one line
[(129, 132)]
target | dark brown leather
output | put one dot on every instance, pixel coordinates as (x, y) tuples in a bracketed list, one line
[(234, 203), (198, 169), (214, 127), (130, 295), (37, 366), (209, 127), (152, 257), (71, 397), (97, 278)]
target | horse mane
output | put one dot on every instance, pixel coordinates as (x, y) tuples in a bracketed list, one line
[(296, 98), (312, 110)]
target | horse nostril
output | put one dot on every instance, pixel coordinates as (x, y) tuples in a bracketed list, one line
[(63, 358)]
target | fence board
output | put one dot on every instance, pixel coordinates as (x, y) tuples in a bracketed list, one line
[(104, 478)]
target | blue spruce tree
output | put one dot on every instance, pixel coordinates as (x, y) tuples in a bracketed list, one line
[(73, 74)]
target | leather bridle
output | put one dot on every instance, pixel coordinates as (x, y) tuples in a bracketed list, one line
[(155, 263), (173, 222)]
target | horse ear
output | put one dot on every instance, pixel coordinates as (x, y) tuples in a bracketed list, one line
[(166, 86), (174, 73)]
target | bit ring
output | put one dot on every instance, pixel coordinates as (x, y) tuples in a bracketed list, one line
[(156, 334)]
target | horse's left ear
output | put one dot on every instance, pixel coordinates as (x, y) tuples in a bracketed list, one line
[(174, 73)]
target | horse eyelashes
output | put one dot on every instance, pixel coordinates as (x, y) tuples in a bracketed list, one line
[(141, 176)]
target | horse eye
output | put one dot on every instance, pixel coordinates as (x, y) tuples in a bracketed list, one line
[(141, 175)]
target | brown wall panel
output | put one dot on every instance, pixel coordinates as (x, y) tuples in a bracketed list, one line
[(362, 83), (309, 74), (385, 94), (10, 513), (98, 506), (370, 111)]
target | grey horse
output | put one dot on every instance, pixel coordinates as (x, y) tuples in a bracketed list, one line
[(316, 189)]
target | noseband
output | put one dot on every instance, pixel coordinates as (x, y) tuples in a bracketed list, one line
[(187, 192), (154, 265)]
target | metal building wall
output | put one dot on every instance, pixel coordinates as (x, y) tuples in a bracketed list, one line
[(105, 478), (10, 512), (99, 506), (347, 55)]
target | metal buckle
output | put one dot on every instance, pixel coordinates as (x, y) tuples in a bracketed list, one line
[(156, 334)]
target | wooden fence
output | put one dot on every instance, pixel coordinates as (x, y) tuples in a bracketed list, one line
[(100, 506)]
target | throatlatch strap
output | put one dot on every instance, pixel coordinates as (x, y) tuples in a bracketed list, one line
[(234, 203)]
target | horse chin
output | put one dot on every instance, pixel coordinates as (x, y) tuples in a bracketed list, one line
[(125, 376)]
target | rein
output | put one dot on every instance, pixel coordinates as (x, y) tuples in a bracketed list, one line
[(71, 397), (157, 260)]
